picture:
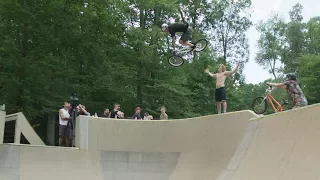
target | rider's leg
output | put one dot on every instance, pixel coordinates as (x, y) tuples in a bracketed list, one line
[(67, 142), (61, 134), (224, 106), (223, 99), (60, 140), (185, 38), (218, 99), (218, 107)]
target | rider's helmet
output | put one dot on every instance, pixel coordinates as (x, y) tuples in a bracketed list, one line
[(291, 76), (164, 26)]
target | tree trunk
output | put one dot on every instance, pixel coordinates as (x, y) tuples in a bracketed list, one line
[(182, 16), (140, 64), (224, 53), (274, 69)]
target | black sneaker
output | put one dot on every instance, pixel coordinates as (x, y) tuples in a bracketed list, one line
[(192, 48)]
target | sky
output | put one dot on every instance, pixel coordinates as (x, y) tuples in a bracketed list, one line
[(261, 11)]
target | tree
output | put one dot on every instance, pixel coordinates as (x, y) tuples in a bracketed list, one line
[(313, 36), (271, 43), (228, 21), (295, 39), (309, 76), (111, 51)]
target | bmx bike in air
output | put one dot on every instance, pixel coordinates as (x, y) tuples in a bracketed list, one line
[(177, 59), (260, 104)]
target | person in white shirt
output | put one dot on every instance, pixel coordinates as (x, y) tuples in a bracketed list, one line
[(147, 116), (65, 131)]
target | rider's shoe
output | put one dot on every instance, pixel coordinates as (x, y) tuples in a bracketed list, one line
[(192, 48)]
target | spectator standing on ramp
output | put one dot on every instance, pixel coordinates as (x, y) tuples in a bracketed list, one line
[(81, 110), (114, 113), (65, 131), (163, 115), (106, 113), (220, 93), (137, 115), (147, 116)]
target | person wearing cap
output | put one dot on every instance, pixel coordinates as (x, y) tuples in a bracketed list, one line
[(137, 115), (293, 89)]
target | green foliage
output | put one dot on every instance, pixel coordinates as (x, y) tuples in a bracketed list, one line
[(309, 77), (271, 43), (229, 21), (114, 51), (296, 44)]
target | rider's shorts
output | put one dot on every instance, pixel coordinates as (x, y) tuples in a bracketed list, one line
[(220, 94), (186, 36)]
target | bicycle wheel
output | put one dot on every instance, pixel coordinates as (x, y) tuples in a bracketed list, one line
[(175, 61), (259, 105), (201, 44)]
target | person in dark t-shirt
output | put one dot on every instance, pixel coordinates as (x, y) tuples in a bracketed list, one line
[(114, 113), (186, 36), (137, 115), (106, 113)]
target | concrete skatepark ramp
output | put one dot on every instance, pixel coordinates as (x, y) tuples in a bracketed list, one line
[(232, 146)]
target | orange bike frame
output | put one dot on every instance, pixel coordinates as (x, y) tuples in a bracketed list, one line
[(276, 106)]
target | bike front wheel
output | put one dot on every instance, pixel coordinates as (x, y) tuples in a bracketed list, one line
[(201, 44), (259, 105), (175, 61)]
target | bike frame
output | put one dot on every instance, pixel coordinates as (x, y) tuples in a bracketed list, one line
[(183, 53), (183, 50), (276, 106)]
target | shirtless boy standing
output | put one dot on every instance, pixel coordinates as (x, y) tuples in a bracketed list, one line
[(220, 93)]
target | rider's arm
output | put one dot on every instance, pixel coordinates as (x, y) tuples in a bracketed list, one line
[(209, 73), (233, 71), (278, 85)]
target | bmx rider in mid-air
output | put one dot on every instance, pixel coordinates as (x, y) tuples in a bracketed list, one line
[(186, 36)]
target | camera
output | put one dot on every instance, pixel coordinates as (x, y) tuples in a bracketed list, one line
[(74, 100)]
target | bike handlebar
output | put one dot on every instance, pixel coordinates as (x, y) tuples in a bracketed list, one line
[(269, 89)]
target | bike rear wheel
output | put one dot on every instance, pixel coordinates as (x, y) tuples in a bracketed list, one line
[(259, 105), (175, 61), (201, 44)]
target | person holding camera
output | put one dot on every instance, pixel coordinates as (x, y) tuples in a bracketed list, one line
[(81, 110)]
